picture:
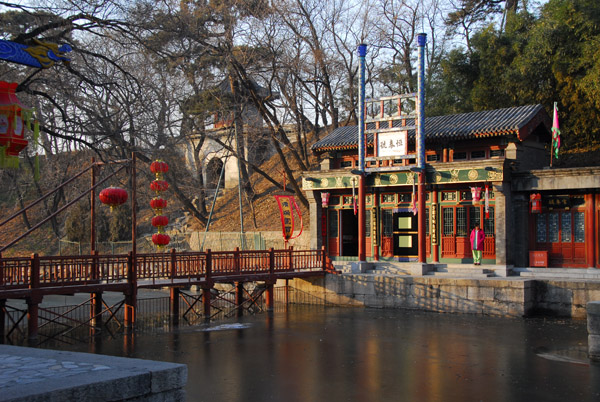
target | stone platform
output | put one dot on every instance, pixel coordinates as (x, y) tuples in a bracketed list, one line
[(39, 375)]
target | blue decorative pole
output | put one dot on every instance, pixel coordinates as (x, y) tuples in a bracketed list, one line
[(362, 52), (421, 41)]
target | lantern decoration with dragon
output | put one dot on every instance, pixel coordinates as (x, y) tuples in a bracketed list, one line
[(14, 120), (159, 221)]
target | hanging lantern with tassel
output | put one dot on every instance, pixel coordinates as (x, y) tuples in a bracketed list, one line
[(113, 197), (159, 168), (14, 118)]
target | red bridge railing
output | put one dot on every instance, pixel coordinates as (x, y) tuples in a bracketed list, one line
[(221, 266)]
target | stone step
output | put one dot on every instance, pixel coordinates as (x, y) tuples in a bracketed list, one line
[(470, 275), (559, 273)]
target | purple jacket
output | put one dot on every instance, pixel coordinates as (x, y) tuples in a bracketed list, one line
[(477, 238)]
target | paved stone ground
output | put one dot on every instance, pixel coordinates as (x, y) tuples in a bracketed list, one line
[(29, 374), (20, 370)]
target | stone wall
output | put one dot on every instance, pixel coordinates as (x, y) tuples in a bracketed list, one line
[(227, 241), (507, 298), (565, 298), (496, 297)]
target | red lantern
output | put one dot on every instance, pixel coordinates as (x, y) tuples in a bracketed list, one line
[(160, 239), (536, 203), (324, 200), (113, 196), (158, 204), (159, 185), (158, 168), (11, 120), (160, 221), (476, 194)]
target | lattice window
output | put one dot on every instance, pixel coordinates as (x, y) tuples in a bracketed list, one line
[(388, 198), (461, 221), (367, 222), (387, 220), (579, 227), (553, 227), (474, 217), (333, 224), (541, 234), (565, 227), (489, 224), (448, 221), (426, 221)]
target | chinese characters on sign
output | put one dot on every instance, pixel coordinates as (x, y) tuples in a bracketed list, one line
[(392, 144), (287, 204)]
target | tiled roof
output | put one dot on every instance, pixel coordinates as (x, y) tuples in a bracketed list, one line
[(462, 126)]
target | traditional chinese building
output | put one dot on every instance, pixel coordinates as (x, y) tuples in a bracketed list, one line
[(489, 168)]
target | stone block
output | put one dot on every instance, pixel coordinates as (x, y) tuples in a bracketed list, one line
[(594, 347), (480, 293)]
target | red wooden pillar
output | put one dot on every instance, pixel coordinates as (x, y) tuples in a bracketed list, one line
[(2, 318), (96, 309), (131, 296), (239, 298), (34, 299), (270, 298), (421, 217), (362, 240), (376, 233), (174, 305), (207, 286), (271, 280), (206, 302), (590, 231), (433, 233)]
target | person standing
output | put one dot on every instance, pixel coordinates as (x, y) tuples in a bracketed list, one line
[(477, 237)]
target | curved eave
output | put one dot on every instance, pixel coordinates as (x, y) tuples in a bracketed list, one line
[(432, 138)]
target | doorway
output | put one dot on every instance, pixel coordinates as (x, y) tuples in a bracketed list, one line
[(349, 233)]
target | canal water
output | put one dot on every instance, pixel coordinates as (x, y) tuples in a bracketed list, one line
[(314, 353)]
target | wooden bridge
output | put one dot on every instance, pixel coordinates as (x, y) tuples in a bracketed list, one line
[(33, 278)]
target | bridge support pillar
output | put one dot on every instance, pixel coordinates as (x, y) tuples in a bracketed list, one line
[(130, 306), (270, 292), (96, 310), (174, 305), (239, 298), (206, 302), (32, 319), (2, 318)]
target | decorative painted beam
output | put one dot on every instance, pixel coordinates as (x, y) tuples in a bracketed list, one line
[(407, 178), (40, 55)]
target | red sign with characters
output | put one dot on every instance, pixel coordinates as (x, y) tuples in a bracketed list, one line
[(287, 204)]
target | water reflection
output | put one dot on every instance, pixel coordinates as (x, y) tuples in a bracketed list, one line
[(318, 354)]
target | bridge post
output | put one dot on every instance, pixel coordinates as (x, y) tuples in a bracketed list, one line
[(239, 298), (131, 296), (269, 283), (174, 304), (96, 310), (2, 318), (34, 299)]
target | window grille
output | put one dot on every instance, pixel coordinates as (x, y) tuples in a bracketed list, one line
[(541, 235), (489, 224), (461, 221), (579, 227), (448, 221), (565, 227), (333, 224), (387, 220)]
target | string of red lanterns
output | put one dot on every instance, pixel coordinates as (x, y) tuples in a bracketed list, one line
[(159, 221)]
